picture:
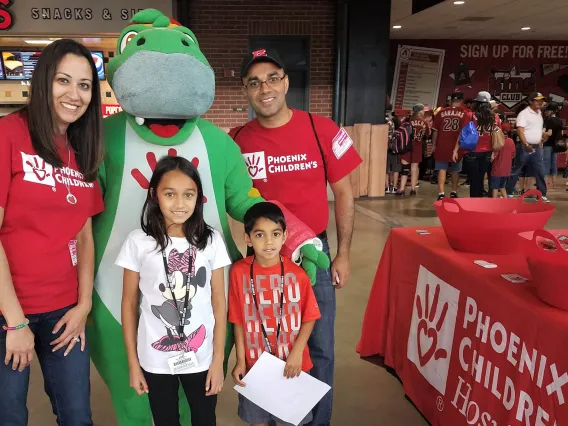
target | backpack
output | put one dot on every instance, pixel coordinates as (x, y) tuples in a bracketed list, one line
[(401, 142), (469, 137)]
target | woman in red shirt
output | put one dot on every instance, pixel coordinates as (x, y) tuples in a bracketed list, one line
[(50, 152), (478, 162)]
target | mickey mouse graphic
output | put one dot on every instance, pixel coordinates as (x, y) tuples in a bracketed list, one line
[(171, 310)]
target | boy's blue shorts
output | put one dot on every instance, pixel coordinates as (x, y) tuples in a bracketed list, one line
[(252, 414)]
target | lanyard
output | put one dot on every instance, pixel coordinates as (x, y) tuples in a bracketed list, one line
[(279, 316), (190, 270)]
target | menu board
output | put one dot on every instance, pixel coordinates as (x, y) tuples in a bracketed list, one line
[(417, 76), (19, 65)]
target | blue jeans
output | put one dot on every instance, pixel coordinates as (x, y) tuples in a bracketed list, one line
[(534, 162), (550, 161), (66, 379), (322, 342)]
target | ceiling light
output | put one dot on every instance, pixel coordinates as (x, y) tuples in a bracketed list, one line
[(44, 42), (459, 2), (526, 28), (397, 27)]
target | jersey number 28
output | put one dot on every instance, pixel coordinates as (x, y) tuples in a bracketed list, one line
[(451, 124)]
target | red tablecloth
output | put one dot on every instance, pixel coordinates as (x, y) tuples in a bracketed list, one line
[(469, 346)]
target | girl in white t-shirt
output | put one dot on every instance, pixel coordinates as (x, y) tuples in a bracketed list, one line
[(176, 263)]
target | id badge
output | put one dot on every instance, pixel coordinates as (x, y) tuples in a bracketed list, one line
[(183, 363), (73, 251)]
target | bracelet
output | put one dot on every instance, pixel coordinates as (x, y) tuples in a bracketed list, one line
[(6, 328)]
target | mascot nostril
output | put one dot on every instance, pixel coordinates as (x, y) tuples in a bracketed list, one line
[(141, 41), (162, 288), (184, 42)]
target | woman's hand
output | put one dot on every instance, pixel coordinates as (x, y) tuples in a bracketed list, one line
[(138, 381), (74, 321), (215, 379), (20, 348)]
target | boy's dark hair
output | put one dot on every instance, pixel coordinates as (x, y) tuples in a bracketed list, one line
[(153, 224), (264, 210), (86, 134)]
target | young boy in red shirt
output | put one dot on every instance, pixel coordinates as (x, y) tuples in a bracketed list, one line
[(272, 306), (502, 164)]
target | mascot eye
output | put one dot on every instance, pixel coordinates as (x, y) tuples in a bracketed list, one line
[(184, 42), (126, 39)]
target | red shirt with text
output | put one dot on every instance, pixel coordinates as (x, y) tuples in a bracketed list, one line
[(39, 224), (300, 306), (449, 123), (484, 141), (285, 163)]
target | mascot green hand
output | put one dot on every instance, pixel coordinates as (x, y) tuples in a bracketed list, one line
[(164, 84)]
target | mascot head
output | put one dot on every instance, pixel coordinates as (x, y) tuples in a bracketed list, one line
[(159, 75)]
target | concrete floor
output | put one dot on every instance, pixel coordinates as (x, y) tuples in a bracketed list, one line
[(363, 391)]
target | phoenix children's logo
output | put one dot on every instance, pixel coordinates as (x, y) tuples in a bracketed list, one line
[(36, 170), (511, 86), (432, 329), (256, 164)]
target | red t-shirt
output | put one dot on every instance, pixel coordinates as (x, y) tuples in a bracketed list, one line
[(39, 223), (448, 123), (420, 128), (285, 163), (503, 161), (300, 306), (484, 141)]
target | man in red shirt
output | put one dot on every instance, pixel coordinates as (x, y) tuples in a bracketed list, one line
[(412, 159), (291, 155), (448, 125)]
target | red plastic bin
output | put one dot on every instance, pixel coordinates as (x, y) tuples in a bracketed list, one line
[(491, 225), (549, 269)]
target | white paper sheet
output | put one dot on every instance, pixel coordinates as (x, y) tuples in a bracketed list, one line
[(288, 399)]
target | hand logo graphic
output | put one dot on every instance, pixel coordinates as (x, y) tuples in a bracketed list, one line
[(38, 166), (253, 165), (427, 336), (152, 162)]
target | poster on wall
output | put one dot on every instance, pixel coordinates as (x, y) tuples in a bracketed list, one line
[(417, 76)]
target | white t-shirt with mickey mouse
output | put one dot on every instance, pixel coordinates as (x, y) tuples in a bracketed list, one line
[(159, 318)]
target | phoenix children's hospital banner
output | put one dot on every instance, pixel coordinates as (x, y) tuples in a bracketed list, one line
[(509, 70), (475, 361)]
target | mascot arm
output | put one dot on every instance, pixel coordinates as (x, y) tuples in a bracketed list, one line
[(102, 178), (240, 195)]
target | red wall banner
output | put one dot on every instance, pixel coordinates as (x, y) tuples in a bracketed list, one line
[(509, 70)]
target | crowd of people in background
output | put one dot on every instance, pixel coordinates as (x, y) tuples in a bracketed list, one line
[(511, 152)]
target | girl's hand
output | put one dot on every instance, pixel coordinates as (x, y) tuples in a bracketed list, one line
[(293, 364), (215, 379), (74, 321), (137, 381), (19, 346), (238, 373)]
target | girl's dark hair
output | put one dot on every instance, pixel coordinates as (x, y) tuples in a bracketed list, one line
[(264, 210), (152, 220), (485, 116), (84, 135)]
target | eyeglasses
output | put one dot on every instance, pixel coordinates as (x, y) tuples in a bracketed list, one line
[(270, 82)]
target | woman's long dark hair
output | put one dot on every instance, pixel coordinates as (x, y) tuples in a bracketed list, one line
[(84, 135), (485, 115), (153, 224)]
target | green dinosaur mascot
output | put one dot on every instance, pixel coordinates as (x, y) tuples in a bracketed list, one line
[(164, 84)]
